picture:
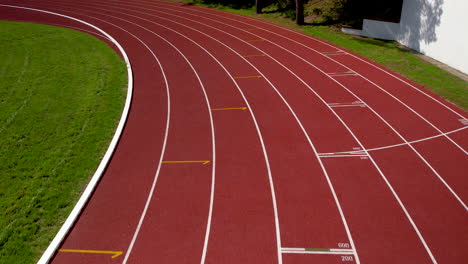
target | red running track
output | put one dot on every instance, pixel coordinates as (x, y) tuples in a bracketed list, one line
[(301, 151)]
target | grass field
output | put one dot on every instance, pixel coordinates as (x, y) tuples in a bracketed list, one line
[(386, 53), (61, 96)]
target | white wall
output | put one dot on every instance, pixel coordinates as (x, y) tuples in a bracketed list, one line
[(380, 29), (437, 28)]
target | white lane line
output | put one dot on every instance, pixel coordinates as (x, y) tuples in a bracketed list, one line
[(332, 46), (348, 105), (342, 155), (143, 215), (346, 72), (339, 50), (341, 75), (407, 106), (255, 123), (419, 140), (356, 103), (297, 120), (213, 141), (71, 219), (153, 185), (441, 179), (416, 229), (334, 53), (320, 251)]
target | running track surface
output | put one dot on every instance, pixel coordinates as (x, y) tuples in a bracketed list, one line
[(250, 143)]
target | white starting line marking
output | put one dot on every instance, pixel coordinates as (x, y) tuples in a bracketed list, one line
[(329, 251), (331, 53), (463, 121), (356, 103), (348, 73), (358, 153)]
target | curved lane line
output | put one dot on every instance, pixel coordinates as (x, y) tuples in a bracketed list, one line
[(258, 131), (46, 256), (300, 124), (441, 179), (325, 43), (376, 85), (372, 160), (153, 185), (213, 173), (402, 144), (213, 146)]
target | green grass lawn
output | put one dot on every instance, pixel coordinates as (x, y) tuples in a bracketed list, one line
[(386, 53), (61, 96)]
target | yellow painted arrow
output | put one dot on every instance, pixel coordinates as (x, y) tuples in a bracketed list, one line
[(232, 108), (113, 253), (186, 161)]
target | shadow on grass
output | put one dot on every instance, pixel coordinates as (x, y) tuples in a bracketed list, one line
[(238, 4), (321, 23), (389, 44)]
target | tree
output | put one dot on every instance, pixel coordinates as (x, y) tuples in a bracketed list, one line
[(258, 6), (299, 12)]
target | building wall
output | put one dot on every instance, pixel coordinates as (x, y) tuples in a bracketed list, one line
[(436, 28), (380, 29)]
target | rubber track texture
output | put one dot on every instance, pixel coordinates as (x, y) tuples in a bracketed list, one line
[(313, 154)]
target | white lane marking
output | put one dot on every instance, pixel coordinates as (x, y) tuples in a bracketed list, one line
[(415, 141), (334, 53), (300, 124), (153, 185), (341, 75), (407, 106), (318, 252), (256, 125), (213, 140), (309, 249), (356, 103), (357, 140), (324, 251), (53, 246), (442, 180), (143, 215), (342, 156), (348, 105), (338, 50)]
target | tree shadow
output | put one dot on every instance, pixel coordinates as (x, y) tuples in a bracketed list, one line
[(237, 4), (388, 44), (419, 21)]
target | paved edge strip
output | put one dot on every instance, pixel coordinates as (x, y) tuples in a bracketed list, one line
[(53, 246)]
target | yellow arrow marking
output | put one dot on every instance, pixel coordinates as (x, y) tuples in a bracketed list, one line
[(113, 253), (255, 40), (246, 77), (254, 55), (187, 161), (232, 108)]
